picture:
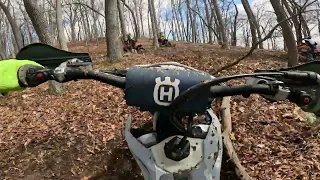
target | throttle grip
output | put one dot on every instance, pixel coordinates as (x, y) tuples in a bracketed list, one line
[(31, 76)]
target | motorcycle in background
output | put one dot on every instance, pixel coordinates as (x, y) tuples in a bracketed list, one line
[(131, 45), (164, 42), (304, 49)]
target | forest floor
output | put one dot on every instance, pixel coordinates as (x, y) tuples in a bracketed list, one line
[(79, 135)]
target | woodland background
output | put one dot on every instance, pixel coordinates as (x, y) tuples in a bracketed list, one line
[(78, 134)]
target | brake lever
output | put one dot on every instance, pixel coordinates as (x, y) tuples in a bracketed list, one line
[(297, 77)]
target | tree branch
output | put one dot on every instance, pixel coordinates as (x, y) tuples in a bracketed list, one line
[(204, 21), (133, 17), (227, 130), (87, 6), (269, 35)]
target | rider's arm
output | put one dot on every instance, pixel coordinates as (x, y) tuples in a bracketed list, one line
[(9, 74)]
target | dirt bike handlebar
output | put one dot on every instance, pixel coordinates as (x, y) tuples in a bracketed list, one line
[(144, 80), (245, 90), (31, 76), (144, 86)]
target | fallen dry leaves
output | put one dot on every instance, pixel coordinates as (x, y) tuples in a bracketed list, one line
[(79, 135)]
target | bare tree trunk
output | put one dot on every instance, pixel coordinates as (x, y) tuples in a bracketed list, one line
[(73, 22), (41, 27), (137, 33), (158, 18), (88, 24), (61, 35), (250, 19), (245, 36), (188, 24), (102, 32), (287, 33), (165, 24), (175, 17), (215, 23), (192, 22), (294, 20), (112, 31), (173, 21), (184, 32), (153, 23), (79, 32), (203, 31), (31, 39), (209, 21), (235, 22), (3, 47), (136, 14), (14, 46), (13, 24), (95, 19), (285, 48), (73, 32), (26, 19), (302, 24), (2, 51), (122, 22), (222, 27), (305, 25), (38, 20), (84, 24), (149, 27), (52, 22), (173, 31), (141, 19), (26, 34)]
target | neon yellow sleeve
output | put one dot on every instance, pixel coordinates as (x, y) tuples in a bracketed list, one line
[(9, 74)]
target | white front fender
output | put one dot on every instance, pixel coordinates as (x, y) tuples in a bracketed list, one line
[(203, 163)]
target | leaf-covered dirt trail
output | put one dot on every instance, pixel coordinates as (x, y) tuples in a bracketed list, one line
[(79, 135)]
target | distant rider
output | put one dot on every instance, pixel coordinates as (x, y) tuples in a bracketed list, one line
[(131, 42), (312, 46), (162, 36)]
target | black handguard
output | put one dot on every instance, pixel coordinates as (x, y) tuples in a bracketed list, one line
[(31, 76)]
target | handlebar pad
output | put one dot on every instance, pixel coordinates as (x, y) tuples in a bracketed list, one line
[(154, 88)]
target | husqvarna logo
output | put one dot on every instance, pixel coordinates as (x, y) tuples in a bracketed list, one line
[(165, 91)]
